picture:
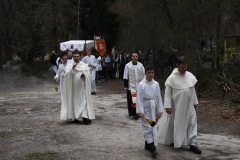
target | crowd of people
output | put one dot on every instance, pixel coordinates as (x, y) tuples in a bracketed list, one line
[(175, 114)]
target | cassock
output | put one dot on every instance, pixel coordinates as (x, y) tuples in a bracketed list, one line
[(180, 127), (133, 75), (77, 102), (60, 76), (149, 102), (93, 61)]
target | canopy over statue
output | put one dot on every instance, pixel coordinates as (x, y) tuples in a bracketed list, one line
[(74, 45)]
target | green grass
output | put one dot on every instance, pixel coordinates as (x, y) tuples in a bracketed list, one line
[(42, 156), (6, 133)]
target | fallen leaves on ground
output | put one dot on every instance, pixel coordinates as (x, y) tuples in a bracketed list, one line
[(219, 110)]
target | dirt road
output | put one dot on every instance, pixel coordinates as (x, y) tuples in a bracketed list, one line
[(31, 129)]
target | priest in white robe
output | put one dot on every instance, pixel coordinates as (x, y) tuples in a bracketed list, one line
[(77, 102), (91, 61), (178, 126), (149, 105), (134, 73)]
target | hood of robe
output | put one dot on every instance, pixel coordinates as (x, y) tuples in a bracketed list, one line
[(181, 81), (145, 80), (81, 66)]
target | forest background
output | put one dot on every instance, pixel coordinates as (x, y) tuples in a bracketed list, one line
[(207, 32)]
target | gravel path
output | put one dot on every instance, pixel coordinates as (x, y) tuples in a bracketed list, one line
[(31, 129)]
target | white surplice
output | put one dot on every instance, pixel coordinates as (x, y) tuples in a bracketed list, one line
[(99, 64), (60, 76), (150, 103), (77, 102), (134, 74), (180, 127), (91, 59)]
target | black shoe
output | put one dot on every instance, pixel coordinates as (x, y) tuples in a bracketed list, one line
[(195, 149), (146, 145), (76, 121), (154, 153), (136, 116), (150, 147), (93, 93), (86, 121)]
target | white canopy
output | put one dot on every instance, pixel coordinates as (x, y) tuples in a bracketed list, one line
[(76, 45)]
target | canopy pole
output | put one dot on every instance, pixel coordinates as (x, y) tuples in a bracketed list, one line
[(78, 23)]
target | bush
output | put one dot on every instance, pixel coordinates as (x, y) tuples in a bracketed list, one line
[(37, 69)]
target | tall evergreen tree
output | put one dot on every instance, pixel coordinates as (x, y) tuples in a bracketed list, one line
[(95, 18)]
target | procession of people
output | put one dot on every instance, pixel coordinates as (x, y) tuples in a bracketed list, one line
[(170, 121)]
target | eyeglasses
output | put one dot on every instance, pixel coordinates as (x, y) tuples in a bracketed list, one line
[(76, 56)]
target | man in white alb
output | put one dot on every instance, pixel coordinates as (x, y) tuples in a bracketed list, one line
[(91, 61), (77, 102), (178, 126), (60, 74), (98, 67), (149, 105)]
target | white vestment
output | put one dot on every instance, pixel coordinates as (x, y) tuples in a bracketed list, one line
[(77, 102), (93, 61), (60, 75), (149, 102), (180, 127), (99, 64), (134, 74)]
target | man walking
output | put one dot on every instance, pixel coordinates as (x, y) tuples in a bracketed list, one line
[(149, 105), (133, 74), (91, 61), (60, 74), (77, 102), (178, 126)]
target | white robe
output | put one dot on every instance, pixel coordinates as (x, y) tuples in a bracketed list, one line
[(60, 75), (93, 61), (149, 102), (77, 102), (99, 64), (180, 127)]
